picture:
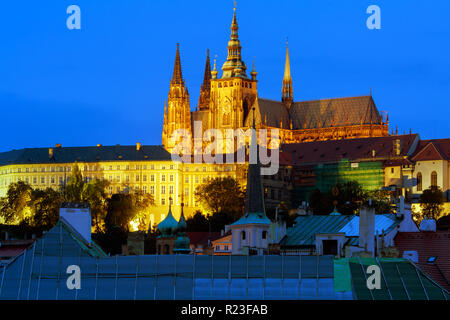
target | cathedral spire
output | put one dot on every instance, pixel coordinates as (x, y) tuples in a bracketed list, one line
[(177, 77), (234, 66), (287, 91), (205, 91)]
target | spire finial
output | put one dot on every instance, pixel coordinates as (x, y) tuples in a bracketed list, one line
[(287, 93), (177, 75)]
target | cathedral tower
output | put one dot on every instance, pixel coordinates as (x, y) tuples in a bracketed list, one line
[(177, 113), (287, 92), (205, 90), (234, 94)]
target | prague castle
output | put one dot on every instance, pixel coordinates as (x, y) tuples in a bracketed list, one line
[(225, 103)]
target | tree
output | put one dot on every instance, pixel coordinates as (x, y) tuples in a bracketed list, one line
[(14, 208), (197, 223), (320, 203), (380, 201), (350, 197), (219, 220), (44, 208), (92, 192), (142, 201), (431, 202), (221, 195), (73, 190)]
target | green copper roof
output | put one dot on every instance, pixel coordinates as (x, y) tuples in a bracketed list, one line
[(182, 243), (168, 226), (335, 212), (303, 233)]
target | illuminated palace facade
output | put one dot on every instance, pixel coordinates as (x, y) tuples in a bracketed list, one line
[(226, 102), (149, 169)]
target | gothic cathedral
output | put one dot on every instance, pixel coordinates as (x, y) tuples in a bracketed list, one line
[(225, 102)]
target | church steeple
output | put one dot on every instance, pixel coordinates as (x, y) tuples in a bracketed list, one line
[(205, 91), (234, 66), (177, 77), (254, 196), (177, 111), (287, 91)]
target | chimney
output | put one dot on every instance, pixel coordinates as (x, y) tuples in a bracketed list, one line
[(138, 146), (397, 146), (401, 207), (367, 229), (78, 217), (50, 153)]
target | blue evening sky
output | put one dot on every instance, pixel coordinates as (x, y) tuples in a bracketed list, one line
[(107, 82)]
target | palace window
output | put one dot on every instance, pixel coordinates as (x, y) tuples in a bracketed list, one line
[(171, 178), (144, 178), (243, 235), (137, 178), (264, 235), (186, 179), (144, 189), (434, 179), (152, 177), (419, 181), (163, 178), (163, 189), (128, 178), (170, 189), (118, 167), (152, 167), (163, 202), (152, 189)]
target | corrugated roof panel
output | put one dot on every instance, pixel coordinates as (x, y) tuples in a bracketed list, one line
[(384, 222)]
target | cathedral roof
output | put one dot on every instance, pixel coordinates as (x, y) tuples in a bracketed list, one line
[(335, 112)]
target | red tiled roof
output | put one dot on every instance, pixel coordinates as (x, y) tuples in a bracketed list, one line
[(438, 149), (429, 244), (201, 238), (12, 248), (352, 149)]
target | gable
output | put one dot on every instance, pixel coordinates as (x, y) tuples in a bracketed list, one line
[(429, 152)]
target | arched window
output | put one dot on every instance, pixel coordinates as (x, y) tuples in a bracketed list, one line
[(243, 235), (264, 235), (434, 179), (419, 182)]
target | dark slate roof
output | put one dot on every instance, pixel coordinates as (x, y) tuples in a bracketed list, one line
[(84, 154), (352, 149), (336, 112), (274, 111)]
